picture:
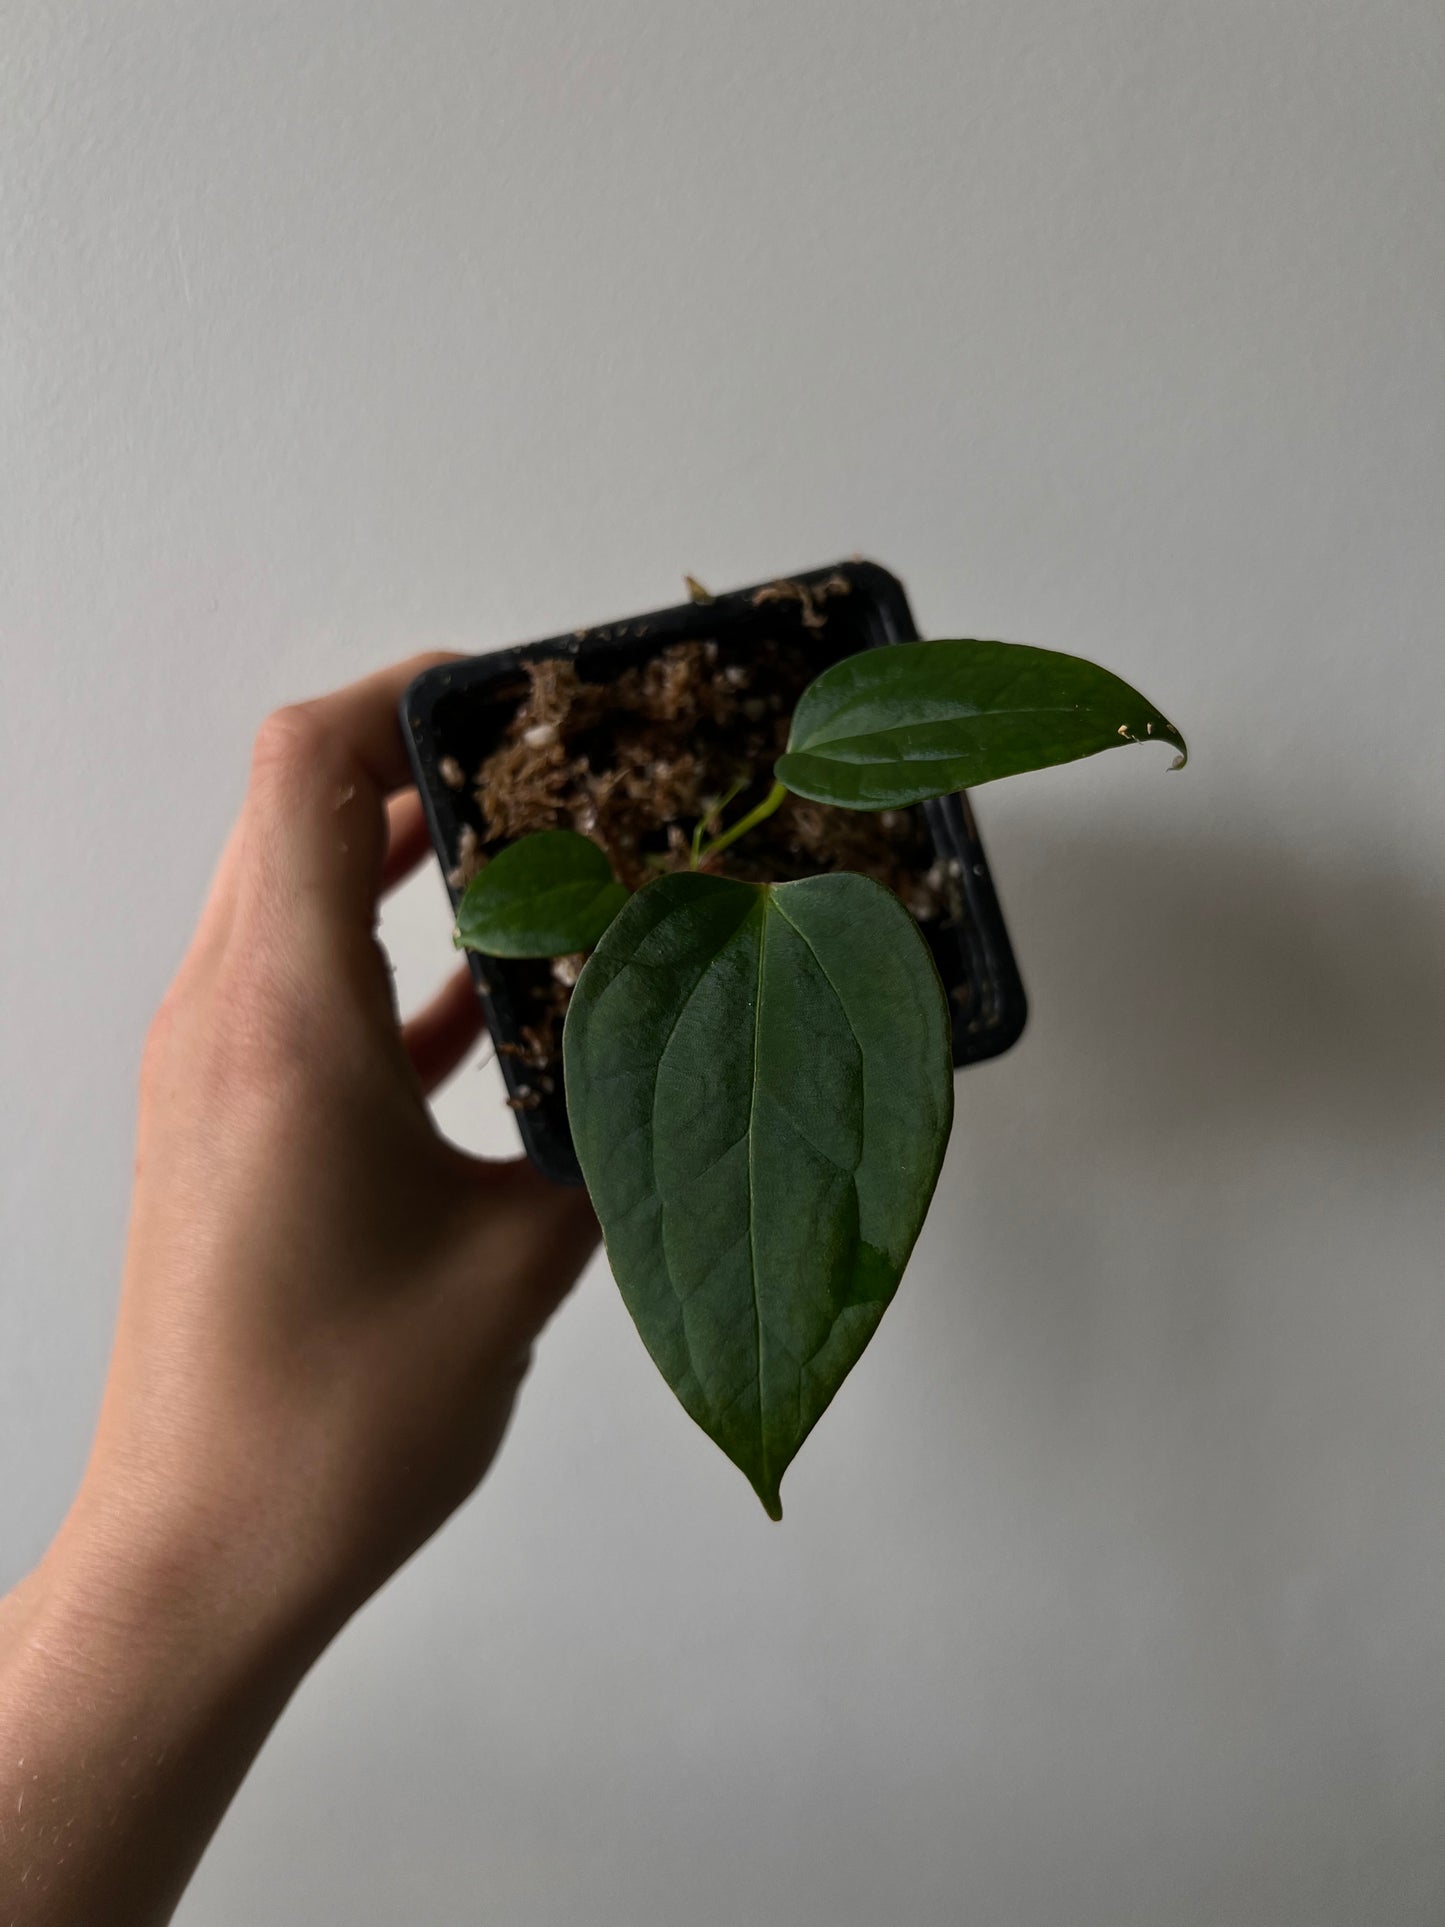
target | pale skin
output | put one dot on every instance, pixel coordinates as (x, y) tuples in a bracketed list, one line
[(326, 1314)]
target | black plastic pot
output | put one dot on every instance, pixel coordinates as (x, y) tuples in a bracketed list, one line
[(460, 710)]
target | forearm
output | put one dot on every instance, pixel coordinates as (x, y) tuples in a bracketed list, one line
[(137, 1684)]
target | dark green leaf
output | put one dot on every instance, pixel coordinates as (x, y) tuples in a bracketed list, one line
[(760, 1088), (898, 724), (546, 896)]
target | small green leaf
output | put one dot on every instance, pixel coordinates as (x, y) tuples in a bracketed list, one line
[(545, 896), (898, 724), (760, 1090)]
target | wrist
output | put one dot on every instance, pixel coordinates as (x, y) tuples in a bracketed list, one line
[(154, 1587), (137, 1682)]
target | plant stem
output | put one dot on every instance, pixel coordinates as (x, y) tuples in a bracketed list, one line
[(770, 802), (709, 821)]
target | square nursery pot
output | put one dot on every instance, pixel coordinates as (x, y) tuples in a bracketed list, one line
[(454, 716)]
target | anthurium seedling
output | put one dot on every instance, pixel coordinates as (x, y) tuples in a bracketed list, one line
[(759, 1075)]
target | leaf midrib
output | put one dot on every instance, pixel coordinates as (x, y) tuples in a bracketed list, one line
[(581, 896), (765, 895), (959, 715)]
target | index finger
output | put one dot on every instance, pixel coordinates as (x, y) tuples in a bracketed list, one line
[(359, 722), (316, 807)]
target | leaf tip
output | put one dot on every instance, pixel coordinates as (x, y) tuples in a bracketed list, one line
[(768, 1487), (1165, 728)]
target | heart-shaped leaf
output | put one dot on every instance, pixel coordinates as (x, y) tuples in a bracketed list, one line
[(898, 724), (545, 896), (760, 1090)]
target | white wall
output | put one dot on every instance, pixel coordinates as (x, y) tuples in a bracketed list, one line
[(1110, 1593)]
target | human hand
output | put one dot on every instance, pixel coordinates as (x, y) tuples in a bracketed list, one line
[(327, 1308)]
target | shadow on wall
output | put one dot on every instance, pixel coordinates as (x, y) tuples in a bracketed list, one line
[(1231, 992), (1206, 1175)]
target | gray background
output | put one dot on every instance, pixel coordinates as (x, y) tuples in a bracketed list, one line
[(1111, 1590)]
